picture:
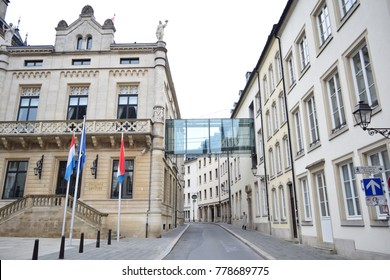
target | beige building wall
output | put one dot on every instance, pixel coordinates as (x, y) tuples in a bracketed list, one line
[(53, 74)]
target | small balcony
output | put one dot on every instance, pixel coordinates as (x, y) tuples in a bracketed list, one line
[(42, 134)]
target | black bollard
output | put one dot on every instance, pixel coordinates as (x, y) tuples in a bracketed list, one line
[(62, 248), (98, 239), (81, 247), (109, 237), (35, 252)]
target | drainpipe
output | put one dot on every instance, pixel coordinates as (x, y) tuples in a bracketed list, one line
[(299, 235), (264, 162)]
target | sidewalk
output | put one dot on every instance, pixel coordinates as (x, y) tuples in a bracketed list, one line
[(267, 246), (13, 248), (273, 248)]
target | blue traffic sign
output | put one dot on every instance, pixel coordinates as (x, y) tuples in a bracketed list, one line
[(373, 186)]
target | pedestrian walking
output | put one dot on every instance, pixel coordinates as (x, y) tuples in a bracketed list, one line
[(244, 221)]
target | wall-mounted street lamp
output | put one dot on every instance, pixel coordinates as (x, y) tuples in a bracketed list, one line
[(94, 167), (262, 177), (363, 114), (38, 168)]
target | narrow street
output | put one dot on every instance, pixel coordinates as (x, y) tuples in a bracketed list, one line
[(210, 242)]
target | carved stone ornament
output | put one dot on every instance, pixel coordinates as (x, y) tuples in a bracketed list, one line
[(62, 24), (158, 113), (87, 10)]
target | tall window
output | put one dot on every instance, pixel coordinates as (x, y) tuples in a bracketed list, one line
[(287, 151), (363, 77), (323, 24), (304, 52), (127, 185), (278, 158), (346, 5), (28, 106), (260, 151), (275, 206), (313, 123), (89, 42), (79, 43), (128, 102), (15, 179), (350, 191), (298, 131), (269, 126), (264, 199), (381, 158), (271, 78), (336, 102), (282, 204), (291, 71), (265, 88), (306, 199), (271, 161), (282, 105), (275, 117), (278, 64), (78, 101)]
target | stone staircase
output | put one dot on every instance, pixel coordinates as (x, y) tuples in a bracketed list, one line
[(42, 216)]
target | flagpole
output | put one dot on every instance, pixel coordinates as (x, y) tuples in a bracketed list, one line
[(77, 185), (119, 212), (120, 176), (65, 206)]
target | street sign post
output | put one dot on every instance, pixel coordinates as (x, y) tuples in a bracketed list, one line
[(374, 192), (369, 169)]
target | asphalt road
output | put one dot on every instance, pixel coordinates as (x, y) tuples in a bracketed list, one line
[(210, 242)]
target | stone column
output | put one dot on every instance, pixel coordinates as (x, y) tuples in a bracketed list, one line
[(158, 145)]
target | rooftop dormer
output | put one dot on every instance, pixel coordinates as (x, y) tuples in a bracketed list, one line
[(84, 34)]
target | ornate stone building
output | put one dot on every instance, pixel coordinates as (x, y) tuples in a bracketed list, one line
[(46, 91)]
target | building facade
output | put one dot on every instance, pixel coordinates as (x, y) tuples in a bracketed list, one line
[(120, 89), (329, 55)]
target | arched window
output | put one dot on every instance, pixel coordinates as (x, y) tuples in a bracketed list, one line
[(79, 43), (89, 42)]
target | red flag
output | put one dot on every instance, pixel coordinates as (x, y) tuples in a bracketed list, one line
[(121, 164)]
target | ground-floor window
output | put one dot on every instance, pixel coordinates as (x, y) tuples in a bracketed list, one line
[(15, 179), (127, 185)]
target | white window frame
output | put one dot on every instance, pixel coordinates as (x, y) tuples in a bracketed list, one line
[(279, 166), (275, 205), (306, 200), (336, 103), (271, 78), (350, 192), (369, 92), (275, 121), (299, 133), (346, 6), (304, 52), (385, 162), (283, 212), (312, 121), (323, 24)]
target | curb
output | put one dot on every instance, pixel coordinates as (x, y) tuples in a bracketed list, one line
[(258, 250), (172, 244)]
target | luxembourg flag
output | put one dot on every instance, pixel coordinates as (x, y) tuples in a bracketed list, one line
[(70, 165), (121, 164)]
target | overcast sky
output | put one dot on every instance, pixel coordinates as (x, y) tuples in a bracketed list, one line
[(211, 43)]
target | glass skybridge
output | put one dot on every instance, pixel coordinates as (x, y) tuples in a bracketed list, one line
[(210, 136)]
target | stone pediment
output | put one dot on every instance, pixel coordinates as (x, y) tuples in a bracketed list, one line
[(84, 28)]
